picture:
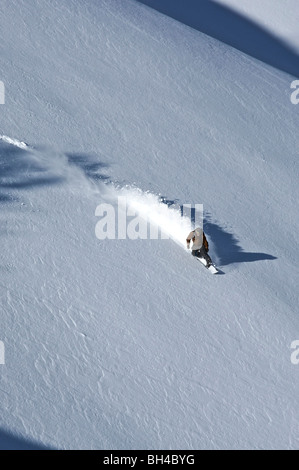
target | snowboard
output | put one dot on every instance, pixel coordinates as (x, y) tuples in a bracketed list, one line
[(212, 268)]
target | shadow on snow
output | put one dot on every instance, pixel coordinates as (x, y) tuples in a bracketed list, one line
[(227, 246), (11, 442), (19, 170), (89, 164), (230, 27)]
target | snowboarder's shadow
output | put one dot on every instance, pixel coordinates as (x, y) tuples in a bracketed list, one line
[(227, 246)]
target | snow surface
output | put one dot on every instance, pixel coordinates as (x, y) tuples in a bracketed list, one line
[(130, 344)]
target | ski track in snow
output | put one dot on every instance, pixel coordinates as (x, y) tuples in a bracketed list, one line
[(131, 344), (16, 142), (167, 222)]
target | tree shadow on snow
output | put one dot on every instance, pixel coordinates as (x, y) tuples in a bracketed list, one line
[(11, 442), (23, 169), (227, 246), (89, 164), (232, 28), (19, 170), (5, 198)]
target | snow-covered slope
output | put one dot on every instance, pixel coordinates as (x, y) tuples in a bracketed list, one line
[(132, 343)]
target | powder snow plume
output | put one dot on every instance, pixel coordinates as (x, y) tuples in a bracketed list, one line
[(162, 218)]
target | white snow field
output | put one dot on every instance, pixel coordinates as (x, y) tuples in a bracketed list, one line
[(133, 344)]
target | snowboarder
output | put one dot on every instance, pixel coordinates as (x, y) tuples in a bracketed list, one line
[(200, 246)]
